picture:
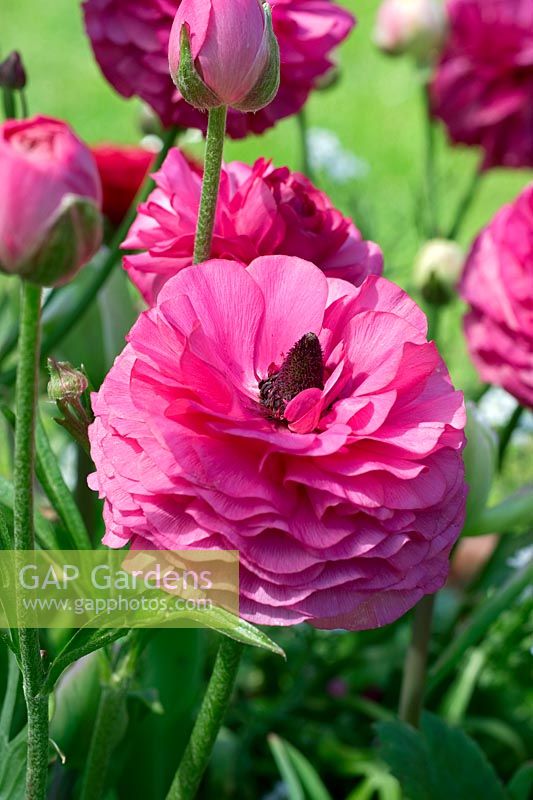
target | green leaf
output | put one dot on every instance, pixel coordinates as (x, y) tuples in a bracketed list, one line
[(13, 767), (309, 777), (520, 786), (286, 768), (44, 531), (486, 614), (437, 762), (58, 493), (84, 641)]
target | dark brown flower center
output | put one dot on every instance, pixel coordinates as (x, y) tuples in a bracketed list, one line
[(303, 368)]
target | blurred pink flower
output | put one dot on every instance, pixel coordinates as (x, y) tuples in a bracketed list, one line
[(296, 418), (483, 87), (498, 285), (417, 27), (51, 197), (130, 41), (261, 211)]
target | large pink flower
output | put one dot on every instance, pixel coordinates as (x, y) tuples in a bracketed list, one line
[(130, 40), (498, 285), (296, 418), (261, 211), (483, 88)]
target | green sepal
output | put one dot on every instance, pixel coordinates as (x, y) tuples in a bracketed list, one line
[(192, 87), (267, 86)]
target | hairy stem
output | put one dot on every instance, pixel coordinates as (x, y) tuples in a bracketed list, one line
[(30, 655), (414, 670), (214, 146), (210, 718)]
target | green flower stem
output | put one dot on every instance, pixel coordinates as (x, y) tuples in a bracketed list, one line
[(109, 725), (430, 169), (72, 315), (205, 731), (214, 146), (507, 434), (303, 129), (414, 670), (30, 656), (465, 203)]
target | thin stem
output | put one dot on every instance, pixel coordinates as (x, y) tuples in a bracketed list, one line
[(24, 536), (205, 731), (71, 316), (303, 129), (465, 203), (10, 109), (108, 728), (214, 146), (430, 168), (507, 434), (414, 670), (104, 739), (10, 697)]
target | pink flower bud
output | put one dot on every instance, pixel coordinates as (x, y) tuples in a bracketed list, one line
[(224, 52), (417, 27), (50, 224)]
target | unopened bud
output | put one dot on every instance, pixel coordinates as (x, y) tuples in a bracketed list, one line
[(67, 387), (66, 382), (213, 64), (437, 270), (415, 27), (12, 72)]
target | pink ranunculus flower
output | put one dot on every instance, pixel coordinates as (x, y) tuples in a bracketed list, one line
[(233, 54), (261, 211), (50, 223), (296, 418), (130, 41), (498, 285), (483, 86)]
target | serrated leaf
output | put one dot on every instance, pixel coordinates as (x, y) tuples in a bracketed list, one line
[(437, 762)]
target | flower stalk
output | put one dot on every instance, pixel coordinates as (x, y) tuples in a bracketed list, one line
[(207, 725), (214, 147), (24, 537), (414, 670)]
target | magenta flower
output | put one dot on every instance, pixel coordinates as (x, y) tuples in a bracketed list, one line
[(483, 87), (296, 418), (50, 223), (261, 211), (498, 285), (130, 41)]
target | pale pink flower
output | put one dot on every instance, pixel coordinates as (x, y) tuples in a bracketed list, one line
[(483, 87), (130, 42), (498, 285), (261, 211), (305, 422), (417, 27)]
